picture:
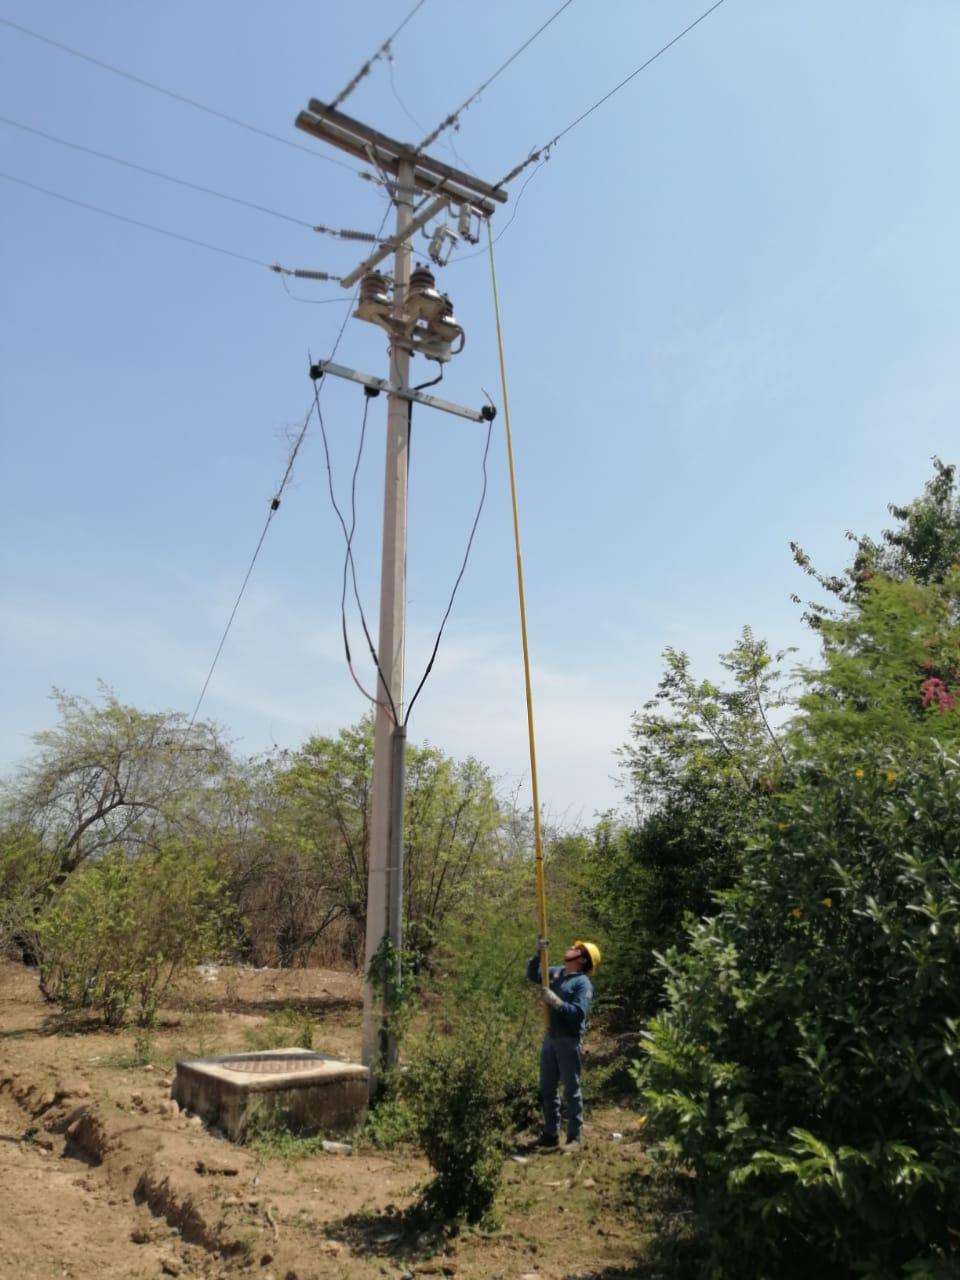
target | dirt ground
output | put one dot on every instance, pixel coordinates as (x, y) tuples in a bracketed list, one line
[(102, 1178)]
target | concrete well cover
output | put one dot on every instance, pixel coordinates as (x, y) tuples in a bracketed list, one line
[(312, 1091)]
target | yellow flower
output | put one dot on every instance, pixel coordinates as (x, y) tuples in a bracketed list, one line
[(827, 902), (641, 1121), (796, 913), (858, 774), (890, 776), (781, 826)]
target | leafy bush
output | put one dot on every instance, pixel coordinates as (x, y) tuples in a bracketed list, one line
[(25, 875), (286, 1029), (120, 930), (463, 1086), (806, 1068)]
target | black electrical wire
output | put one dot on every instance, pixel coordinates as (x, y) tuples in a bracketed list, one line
[(454, 262), (274, 507), (454, 116), (350, 563), (154, 173), (374, 57), (135, 222), (459, 579), (536, 155), (171, 93)]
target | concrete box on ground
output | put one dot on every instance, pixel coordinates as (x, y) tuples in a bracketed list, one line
[(311, 1092)]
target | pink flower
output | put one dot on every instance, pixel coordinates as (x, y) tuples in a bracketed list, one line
[(935, 692)]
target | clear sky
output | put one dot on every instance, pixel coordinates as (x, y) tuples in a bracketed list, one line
[(730, 302)]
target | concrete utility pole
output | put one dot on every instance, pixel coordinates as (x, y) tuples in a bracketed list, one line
[(418, 319)]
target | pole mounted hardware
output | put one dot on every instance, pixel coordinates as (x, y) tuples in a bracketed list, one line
[(375, 385), (419, 319)]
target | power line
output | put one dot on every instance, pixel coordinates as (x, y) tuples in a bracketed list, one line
[(534, 156), (455, 262), (135, 222), (454, 116), (275, 267), (459, 578), (171, 93), (154, 173), (383, 49), (274, 505)]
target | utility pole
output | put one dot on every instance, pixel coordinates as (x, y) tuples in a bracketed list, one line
[(418, 319)]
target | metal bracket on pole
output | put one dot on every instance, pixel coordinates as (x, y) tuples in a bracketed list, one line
[(388, 246), (486, 414)]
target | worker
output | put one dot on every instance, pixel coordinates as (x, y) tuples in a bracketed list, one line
[(568, 998)]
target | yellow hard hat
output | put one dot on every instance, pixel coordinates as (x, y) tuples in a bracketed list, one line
[(592, 950)]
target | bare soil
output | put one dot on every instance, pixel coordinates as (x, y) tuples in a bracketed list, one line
[(103, 1179)]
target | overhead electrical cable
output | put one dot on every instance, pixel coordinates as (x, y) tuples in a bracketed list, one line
[(275, 267), (157, 173), (274, 507), (136, 222), (454, 116), (543, 152), (171, 93), (459, 578), (383, 50)]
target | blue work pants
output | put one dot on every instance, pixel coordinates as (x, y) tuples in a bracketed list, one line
[(560, 1066)]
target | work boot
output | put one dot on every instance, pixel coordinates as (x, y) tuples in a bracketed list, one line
[(573, 1146), (547, 1141)]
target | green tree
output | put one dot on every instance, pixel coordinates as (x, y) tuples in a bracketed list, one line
[(890, 672), (451, 827), (109, 775), (701, 765), (120, 930), (923, 545)]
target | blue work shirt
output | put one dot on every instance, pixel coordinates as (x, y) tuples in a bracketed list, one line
[(576, 992)]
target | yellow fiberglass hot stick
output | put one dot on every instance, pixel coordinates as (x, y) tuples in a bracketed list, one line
[(537, 832)]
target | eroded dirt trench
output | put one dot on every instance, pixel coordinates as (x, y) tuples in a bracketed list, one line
[(61, 1216)]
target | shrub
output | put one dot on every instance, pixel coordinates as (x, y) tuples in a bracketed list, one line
[(806, 1068), (120, 930), (463, 1086)]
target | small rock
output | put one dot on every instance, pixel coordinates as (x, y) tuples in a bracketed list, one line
[(136, 1099), (148, 1066), (588, 1182), (170, 1266), (531, 1275), (520, 1159), (196, 1122), (217, 1168), (230, 1202), (266, 1259), (337, 1148), (140, 1235), (333, 1247), (616, 1136)]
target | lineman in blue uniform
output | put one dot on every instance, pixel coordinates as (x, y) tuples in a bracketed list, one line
[(568, 998)]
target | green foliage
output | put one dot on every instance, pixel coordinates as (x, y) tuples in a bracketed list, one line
[(389, 1124), (891, 672), (286, 1029), (806, 1068), (451, 826), (110, 776), (924, 545), (463, 1085), (26, 871), (270, 1132), (701, 766), (118, 932)]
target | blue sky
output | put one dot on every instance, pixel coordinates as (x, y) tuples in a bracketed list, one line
[(730, 310)]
